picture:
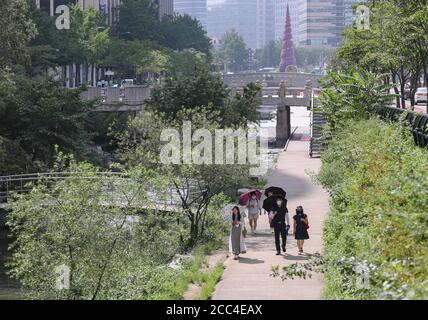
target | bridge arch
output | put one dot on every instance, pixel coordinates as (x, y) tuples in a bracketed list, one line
[(281, 90)]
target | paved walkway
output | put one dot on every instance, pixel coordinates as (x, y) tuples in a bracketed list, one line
[(248, 278)]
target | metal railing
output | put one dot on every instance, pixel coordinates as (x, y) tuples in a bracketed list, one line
[(418, 122), (316, 143), (24, 183), (21, 182)]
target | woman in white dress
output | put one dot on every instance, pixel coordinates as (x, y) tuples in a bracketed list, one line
[(237, 231), (244, 231)]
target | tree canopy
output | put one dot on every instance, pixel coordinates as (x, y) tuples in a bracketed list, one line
[(182, 32), (203, 89), (17, 30), (233, 51), (42, 114), (396, 44), (138, 20), (269, 55)]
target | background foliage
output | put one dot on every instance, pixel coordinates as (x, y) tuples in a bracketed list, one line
[(378, 221)]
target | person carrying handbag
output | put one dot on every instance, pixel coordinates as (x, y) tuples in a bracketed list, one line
[(301, 226), (280, 221)]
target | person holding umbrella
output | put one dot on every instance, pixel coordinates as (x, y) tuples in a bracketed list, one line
[(277, 191), (269, 204), (251, 201), (280, 222)]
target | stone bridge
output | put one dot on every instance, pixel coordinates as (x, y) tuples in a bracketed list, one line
[(282, 90), (279, 89), (271, 79), (112, 99)]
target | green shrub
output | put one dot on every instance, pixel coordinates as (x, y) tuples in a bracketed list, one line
[(376, 236), (210, 281), (355, 96), (174, 285), (13, 159)]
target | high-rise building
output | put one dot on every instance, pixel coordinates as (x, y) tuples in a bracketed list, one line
[(195, 8), (50, 5), (280, 13), (237, 14), (254, 20), (348, 11), (165, 7), (321, 22), (265, 22), (107, 7)]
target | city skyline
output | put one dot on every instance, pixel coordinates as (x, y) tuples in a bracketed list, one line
[(313, 23)]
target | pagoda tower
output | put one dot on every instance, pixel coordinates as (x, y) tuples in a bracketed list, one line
[(287, 52)]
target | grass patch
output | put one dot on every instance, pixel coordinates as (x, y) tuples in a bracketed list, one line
[(209, 281), (177, 287)]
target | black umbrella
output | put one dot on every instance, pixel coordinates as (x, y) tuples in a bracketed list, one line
[(270, 202), (277, 191)]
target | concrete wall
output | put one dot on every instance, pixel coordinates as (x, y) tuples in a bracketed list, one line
[(117, 99)]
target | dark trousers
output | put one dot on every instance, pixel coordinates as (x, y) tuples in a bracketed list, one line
[(279, 229)]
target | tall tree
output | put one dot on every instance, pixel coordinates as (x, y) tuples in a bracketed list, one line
[(17, 30), (92, 32), (196, 89), (395, 45), (138, 19), (40, 114), (182, 32), (131, 59), (195, 183), (269, 55), (202, 89), (86, 41), (234, 51), (13, 159), (185, 62), (416, 27), (312, 57), (109, 251)]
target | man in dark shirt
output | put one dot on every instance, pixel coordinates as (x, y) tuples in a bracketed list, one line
[(280, 221)]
